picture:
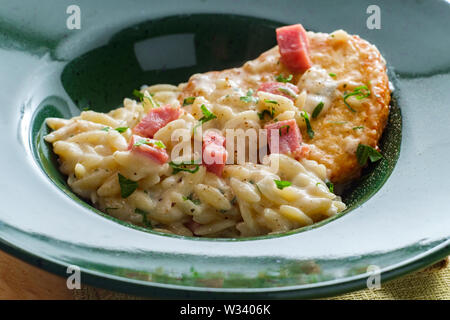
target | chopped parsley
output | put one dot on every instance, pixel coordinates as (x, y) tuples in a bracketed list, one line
[(357, 128), (157, 143), (207, 116), (282, 184), (138, 94), (190, 166), (330, 186), (144, 217), (288, 91), (287, 128), (360, 93), (281, 78), (194, 201), (309, 129), (331, 74), (317, 110), (270, 101), (189, 100), (249, 97), (121, 129), (127, 186), (364, 152), (270, 113), (142, 96)]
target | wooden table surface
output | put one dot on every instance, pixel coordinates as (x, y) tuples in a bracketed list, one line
[(19, 280)]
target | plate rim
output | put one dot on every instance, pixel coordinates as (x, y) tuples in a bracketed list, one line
[(142, 288), (118, 283)]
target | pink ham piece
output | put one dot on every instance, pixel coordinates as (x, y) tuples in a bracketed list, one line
[(289, 138), (156, 119), (294, 47), (214, 152), (192, 225), (150, 150), (274, 87)]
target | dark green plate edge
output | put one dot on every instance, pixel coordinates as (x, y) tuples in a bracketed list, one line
[(430, 256), (136, 287)]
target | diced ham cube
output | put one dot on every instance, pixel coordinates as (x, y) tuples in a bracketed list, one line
[(192, 225), (214, 158), (284, 89), (155, 120), (289, 138), (214, 137), (294, 47), (214, 152), (149, 149)]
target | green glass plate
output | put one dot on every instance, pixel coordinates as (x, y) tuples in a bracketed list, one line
[(398, 216)]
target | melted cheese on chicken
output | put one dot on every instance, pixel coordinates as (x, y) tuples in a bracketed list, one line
[(341, 63)]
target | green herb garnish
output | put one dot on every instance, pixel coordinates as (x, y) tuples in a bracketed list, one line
[(191, 167), (317, 110), (142, 96), (144, 217), (281, 78), (331, 74), (194, 201), (157, 143), (249, 97), (287, 128), (138, 94), (188, 101), (207, 116), (364, 152), (330, 186), (261, 114), (359, 127), (270, 101), (360, 93), (309, 129), (121, 129), (282, 184), (287, 91), (127, 186)]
